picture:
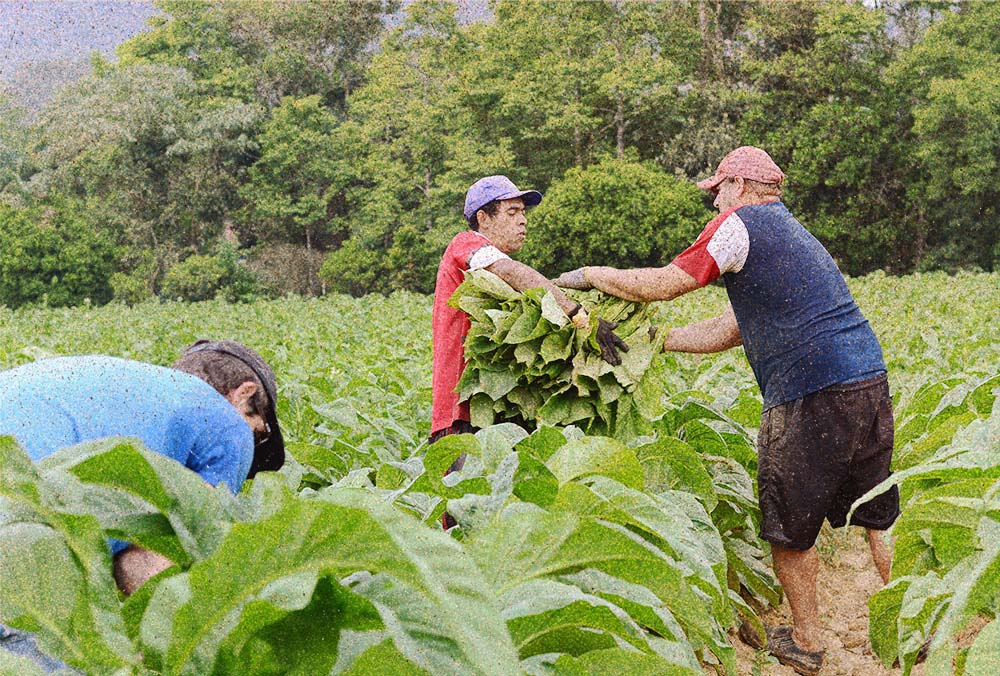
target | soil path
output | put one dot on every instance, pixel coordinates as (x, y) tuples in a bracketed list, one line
[(847, 578)]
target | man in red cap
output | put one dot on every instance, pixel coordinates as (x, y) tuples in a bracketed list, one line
[(826, 433)]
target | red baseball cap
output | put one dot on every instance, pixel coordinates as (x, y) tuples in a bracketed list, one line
[(747, 162)]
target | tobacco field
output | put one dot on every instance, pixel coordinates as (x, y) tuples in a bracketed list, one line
[(575, 554)]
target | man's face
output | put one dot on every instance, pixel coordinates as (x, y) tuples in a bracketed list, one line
[(507, 229), (728, 193)]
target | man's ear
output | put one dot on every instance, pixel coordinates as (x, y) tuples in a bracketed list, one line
[(741, 184), (481, 218), (241, 395)]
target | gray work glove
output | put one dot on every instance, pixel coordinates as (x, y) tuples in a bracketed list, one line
[(609, 342)]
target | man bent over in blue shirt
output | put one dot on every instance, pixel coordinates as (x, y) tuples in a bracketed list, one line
[(213, 412)]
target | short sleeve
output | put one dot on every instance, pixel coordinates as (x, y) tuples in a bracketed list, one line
[(464, 246), (721, 247), (485, 256), (219, 444), (730, 244), (224, 455)]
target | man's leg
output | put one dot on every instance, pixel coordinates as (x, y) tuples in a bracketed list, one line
[(457, 427), (797, 571), (881, 554), (870, 465)]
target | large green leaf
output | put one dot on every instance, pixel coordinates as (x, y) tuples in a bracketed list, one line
[(533, 481), (546, 616), (529, 544), (975, 584), (543, 442), (438, 459), (924, 600), (884, 608), (596, 456), (670, 463), (672, 521), (132, 491), (282, 631), (383, 659), (948, 518), (55, 572), (984, 655), (620, 661), (644, 607), (428, 595)]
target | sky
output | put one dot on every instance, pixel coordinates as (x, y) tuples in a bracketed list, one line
[(69, 30), (42, 30)]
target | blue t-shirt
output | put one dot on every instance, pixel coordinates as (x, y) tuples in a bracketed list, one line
[(55, 403), (802, 330)]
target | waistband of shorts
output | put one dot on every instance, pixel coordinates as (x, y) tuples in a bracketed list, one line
[(859, 384)]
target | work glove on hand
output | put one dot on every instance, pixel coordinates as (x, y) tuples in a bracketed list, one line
[(574, 279), (609, 341)]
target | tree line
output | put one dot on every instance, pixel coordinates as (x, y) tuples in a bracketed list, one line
[(313, 146)]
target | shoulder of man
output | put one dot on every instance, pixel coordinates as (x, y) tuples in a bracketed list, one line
[(721, 247), (212, 439), (468, 238), (464, 244)]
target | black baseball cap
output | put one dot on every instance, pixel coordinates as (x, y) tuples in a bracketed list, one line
[(268, 455)]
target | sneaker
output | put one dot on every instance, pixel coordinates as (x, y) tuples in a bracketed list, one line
[(781, 644)]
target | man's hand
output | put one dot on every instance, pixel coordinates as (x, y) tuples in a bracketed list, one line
[(579, 317), (574, 279), (610, 343)]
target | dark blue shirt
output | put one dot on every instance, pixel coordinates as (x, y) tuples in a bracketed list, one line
[(801, 329)]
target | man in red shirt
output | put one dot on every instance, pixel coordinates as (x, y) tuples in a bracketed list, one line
[(495, 210)]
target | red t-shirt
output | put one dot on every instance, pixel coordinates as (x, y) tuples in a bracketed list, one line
[(450, 327)]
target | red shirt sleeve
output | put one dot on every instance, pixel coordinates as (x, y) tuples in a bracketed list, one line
[(464, 245), (695, 260)]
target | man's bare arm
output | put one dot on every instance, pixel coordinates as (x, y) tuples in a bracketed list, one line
[(638, 284), (523, 277), (712, 335), (134, 565)]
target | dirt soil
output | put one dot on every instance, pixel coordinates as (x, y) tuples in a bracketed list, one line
[(847, 578)]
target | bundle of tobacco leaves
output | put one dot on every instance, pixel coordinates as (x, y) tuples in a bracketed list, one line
[(527, 363)]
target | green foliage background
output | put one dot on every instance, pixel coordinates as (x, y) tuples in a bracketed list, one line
[(620, 212), (339, 146)]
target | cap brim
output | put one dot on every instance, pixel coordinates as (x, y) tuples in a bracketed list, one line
[(269, 456), (711, 182), (530, 197)]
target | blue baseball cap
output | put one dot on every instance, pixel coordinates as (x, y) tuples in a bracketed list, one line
[(490, 188)]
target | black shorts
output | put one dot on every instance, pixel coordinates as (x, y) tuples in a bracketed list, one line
[(457, 427), (819, 454)]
